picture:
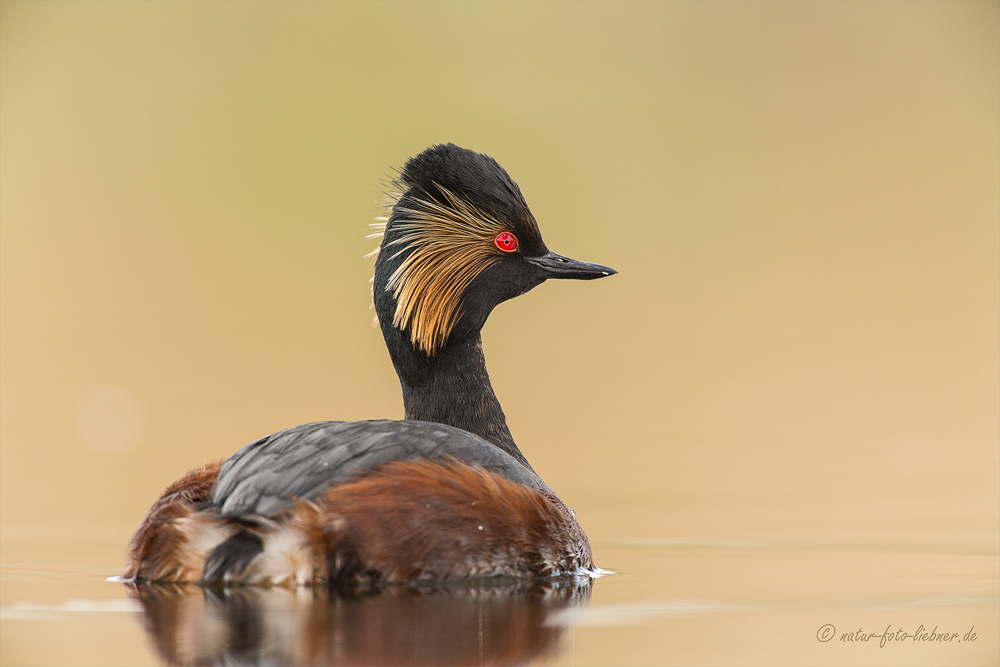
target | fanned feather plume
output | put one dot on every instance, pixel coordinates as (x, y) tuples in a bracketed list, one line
[(445, 246)]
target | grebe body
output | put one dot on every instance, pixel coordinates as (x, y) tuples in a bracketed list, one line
[(444, 493)]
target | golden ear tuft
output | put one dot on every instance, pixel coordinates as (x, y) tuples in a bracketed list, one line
[(392, 195), (446, 246)]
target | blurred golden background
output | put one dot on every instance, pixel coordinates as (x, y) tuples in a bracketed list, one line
[(802, 200)]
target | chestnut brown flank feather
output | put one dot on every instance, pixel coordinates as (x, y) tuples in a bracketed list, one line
[(155, 550), (413, 520), (406, 521)]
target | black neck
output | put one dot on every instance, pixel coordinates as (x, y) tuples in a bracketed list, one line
[(452, 388)]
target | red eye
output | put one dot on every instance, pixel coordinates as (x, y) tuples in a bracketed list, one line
[(506, 242)]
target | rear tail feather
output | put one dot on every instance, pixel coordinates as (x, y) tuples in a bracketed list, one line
[(229, 560)]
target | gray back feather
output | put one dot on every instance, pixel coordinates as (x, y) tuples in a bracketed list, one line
[(302, 462)]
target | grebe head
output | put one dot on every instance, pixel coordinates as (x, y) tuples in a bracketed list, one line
[(459, 240)]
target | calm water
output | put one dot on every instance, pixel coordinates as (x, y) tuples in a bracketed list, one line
[(671, 601), (779, 424)]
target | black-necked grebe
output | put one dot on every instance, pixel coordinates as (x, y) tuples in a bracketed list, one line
[(444, 493)]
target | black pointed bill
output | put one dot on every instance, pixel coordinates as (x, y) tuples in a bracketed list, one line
[(557, 266)]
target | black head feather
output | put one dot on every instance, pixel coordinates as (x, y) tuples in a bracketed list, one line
[(477, 179)]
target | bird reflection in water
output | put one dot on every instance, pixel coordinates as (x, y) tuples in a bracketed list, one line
[(472, 623)]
